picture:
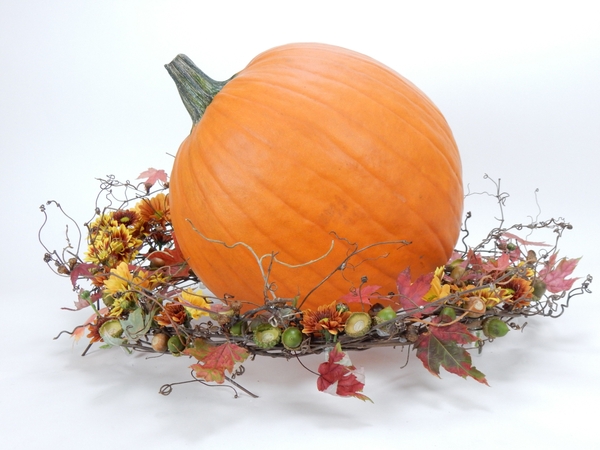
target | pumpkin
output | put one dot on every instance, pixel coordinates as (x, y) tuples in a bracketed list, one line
[(308, 154)]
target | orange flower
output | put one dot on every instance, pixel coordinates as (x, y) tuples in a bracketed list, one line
[(94, 329), (155, 209), (172, 314), (522, 292), (326, 318)]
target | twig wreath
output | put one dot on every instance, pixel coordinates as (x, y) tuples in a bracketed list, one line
[(144, 297)]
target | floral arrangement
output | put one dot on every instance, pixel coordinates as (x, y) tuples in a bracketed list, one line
[(144, 298)]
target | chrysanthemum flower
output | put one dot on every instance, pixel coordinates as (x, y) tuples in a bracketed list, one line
[(130, 218), (437, 290), (326, 318), (123, 284), (94, 329), (171, 314), (155, 209), (491, 296), (109, 246), (521, 292)]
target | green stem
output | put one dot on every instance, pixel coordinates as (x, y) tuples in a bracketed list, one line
[(196, 88)]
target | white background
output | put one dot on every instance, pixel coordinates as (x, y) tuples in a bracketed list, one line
[(83, 93)]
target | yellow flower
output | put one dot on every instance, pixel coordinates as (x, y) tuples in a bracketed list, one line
[(490, 296), (111, 245), (437, 290), (122, 284), (120, 306), (195, 300)]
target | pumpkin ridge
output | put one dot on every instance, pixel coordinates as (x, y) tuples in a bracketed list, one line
[(433, 119), (256, 226), (375, 175), (203, 254), (455, 171), (277, 246), (395, 77), (371, 136), (299, 259), (359, 124)]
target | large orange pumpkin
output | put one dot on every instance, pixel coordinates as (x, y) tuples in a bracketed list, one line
[(307, 145)]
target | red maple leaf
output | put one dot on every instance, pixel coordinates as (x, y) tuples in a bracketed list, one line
[(215, 360), (170, 261), (411, 294), (500, 264), (81, 270), (363, 295), (153, 175), (441, 346), (339, 377), (555, 275)]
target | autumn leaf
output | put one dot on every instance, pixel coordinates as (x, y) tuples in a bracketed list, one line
[(170, 261), (441, 346), (500, 264), (215, 360), (81, 329), (523, 241), (411, 294), (363, 295), (151, 176), (81, 270), (339, 377), (555, 275), (84, 300)]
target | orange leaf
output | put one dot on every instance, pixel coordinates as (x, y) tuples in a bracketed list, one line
[(214, 361)]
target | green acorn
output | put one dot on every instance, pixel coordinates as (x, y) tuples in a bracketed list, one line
[(375, 309), (291, 338), (385, 314), (176, 345), (539, 288), (358, 324), (238, 328), (457, 273), (493, 327), (447, 314), (266, 336)]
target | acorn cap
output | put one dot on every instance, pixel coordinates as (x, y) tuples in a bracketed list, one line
[(358, 324), (266, 336)]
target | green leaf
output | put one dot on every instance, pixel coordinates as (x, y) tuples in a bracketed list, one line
[(136, 325)]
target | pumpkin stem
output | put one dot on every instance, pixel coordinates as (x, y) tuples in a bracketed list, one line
[(195, 87)]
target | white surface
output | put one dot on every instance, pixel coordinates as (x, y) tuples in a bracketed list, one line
[(83, 93)]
